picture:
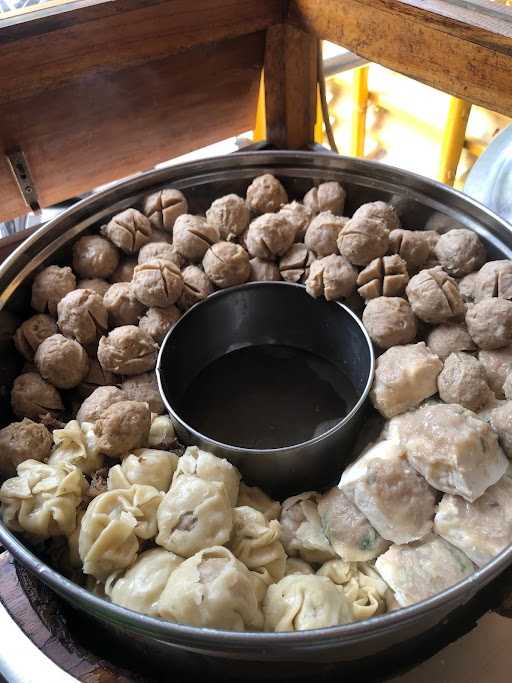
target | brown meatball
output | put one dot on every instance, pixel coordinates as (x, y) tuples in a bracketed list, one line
[(462, 380), (196, 287), (193, 236), (123, 427), (294, 265), (490, 323), (229, 215), (94, 256), (332, 277), (497, 365), (227, 264), (122, 305), (144, 388), (96, 377), (448, 338), (162, 250), (32, 332), (96, 404), (158, 321), (363, 239), (460, 252), (20, 441), (124, 271), (434, 296), (61, 361), (32, 397), (269, 236), (127, 350), (467, 287), (82, 315), (266, 194), (494, 280), (389, 321), (299, 215), (129, 230), (328, 196), (163, 208), (411, 245), (322, 233), (157, 282), (263, 270), (384, 276), (95, 284), (381, 211), (49, 286)]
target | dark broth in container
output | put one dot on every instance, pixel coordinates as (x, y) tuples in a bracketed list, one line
[(267, 396)]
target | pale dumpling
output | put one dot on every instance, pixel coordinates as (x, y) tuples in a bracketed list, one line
[(301, 529), (75, 444), (301, 601), (194, 514), (396, 500), (418, 571), (198, 463), (255, 498), (451, 447), (140, 586), (43, 499), (481, 529), (146, 466), (212, 589), (112, 526), (161, 432), (294, 565)]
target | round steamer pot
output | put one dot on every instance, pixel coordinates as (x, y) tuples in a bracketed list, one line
[(422, 204)]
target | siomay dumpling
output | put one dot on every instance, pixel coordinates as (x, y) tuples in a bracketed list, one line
[(144, 466), (301, 529), (76, 444), (204, 465), (255, 498)]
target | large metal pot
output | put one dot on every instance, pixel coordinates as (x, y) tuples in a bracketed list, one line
[(422, 204)]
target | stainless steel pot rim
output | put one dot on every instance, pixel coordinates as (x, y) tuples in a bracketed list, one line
[(278, 162), (276, 451)]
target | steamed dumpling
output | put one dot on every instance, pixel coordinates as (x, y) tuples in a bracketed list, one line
[(254, 497), (207, 466), (144, 466), (301, 529), (76, 444)]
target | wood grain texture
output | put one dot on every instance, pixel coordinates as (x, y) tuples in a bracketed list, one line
[(436, 52), (290, 87), (108, 126)]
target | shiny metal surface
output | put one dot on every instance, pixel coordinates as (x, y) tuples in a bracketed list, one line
[(422, 204), (276, 313)]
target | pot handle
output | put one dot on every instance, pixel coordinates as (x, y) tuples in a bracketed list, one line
[(503, 591)]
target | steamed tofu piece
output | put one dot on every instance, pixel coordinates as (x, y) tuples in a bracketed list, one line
[(347, 529), (394, 498), (451, 447), (481, 529), (418, 571)]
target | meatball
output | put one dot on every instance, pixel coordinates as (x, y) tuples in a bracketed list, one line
[(384, 276), (62, 362), (294, 265), (322, 233), (127, 350), (196, 287), (269, 236), (163, 208), (266, 194), (160, 250), (96, 377), (229, 215), (122, 305), (489, 323), (497, 364), (434, 296), (124, 271), (460, 252), (411, 245), (328, 196), (20, 441), (193, 236), (144, 388), (467, 287), (332, 276), (448, 338), (462, 380), (82, 315), (94, 256), (157, 282), (501, 421), (96, 404), (494, 280), (32, 397), (299, 215), (49, 286), (404, 377), (123, 427), (381, 211), (129, 230), (158, 321), (227, 264), (389, 321), (263, 270), (95, 284), (32, 332), (363, 239)]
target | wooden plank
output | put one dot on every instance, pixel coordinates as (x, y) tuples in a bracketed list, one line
[(290, 87), (442, 54), (108, 126)]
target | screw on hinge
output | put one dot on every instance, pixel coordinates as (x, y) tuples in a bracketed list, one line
[(21, 172)]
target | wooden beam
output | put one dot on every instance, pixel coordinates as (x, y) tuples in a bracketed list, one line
[(290, 86), (471, 62)]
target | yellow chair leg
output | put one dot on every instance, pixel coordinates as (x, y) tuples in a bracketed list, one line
[(453, 139), (260, 125), (359, 106), (319, 121)]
